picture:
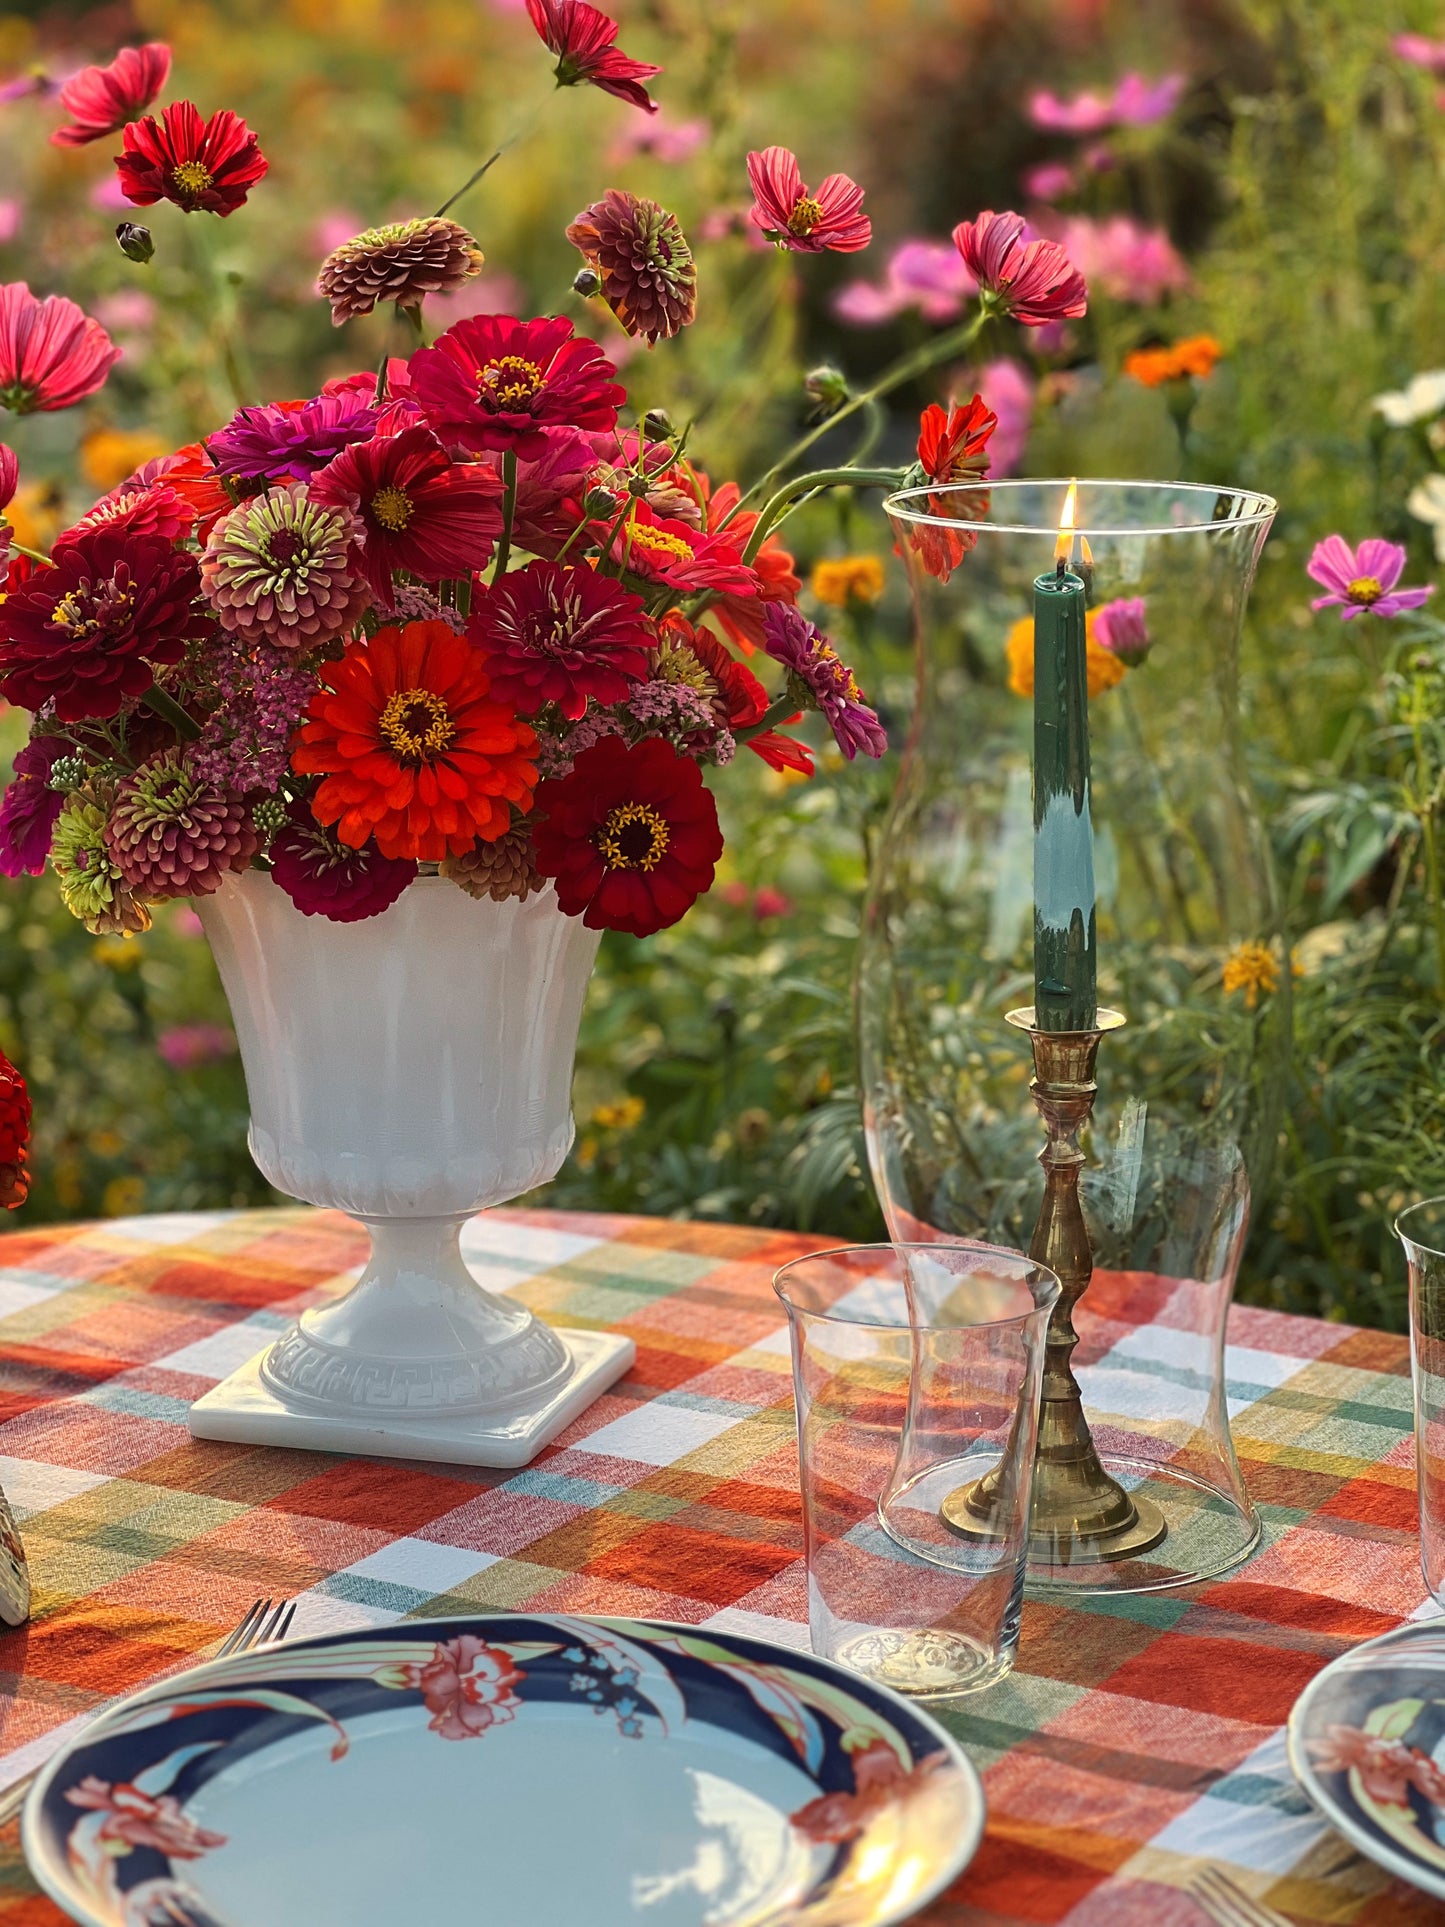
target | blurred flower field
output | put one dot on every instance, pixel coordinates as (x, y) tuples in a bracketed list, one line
[(1250, 188)]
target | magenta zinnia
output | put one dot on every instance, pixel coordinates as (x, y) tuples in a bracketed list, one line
[(85, 634), (327, 878), (561, 635), (817, 679), (283, 569), (492, 381), (51, 355), (284, 442), (420, 511)]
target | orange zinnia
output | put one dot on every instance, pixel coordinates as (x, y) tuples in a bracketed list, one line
[(1104, 668), (1195, 355), (411, 748)]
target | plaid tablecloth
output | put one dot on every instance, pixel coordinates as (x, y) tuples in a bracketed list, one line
[(1135, 1738)]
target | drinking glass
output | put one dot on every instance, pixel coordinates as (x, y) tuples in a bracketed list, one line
[(917, 1373), (1421, 1230)]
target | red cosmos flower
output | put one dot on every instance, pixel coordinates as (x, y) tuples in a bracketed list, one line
[(14, 1136), (657, 549), (801, 222), (100, 100), (631, 836), (492, 381), (85, 633), (211, 164), (51, 355), (555, 634), (742, 616), (582, 38), (1034, 281), (952, 447), (412, 748), (738, 698), (421, 511)]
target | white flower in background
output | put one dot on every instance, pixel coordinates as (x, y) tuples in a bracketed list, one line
[(1420, 400), (1426, 502)]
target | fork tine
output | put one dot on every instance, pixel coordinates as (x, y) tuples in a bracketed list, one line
[(270, 1630), (241, 1637), (284, 1628), (1229, 1905)]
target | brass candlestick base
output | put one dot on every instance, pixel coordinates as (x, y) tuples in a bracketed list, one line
[(1080, 1514)]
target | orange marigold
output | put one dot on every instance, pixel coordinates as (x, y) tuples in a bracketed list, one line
[(1105, 668), (1195, 355), (411, 748)]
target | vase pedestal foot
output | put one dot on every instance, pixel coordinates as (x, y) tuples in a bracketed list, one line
[(244, 1409)]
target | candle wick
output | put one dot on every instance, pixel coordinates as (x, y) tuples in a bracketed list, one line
[(1061, 569)]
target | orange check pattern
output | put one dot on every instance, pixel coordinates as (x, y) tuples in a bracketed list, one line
[(1134, 1740)]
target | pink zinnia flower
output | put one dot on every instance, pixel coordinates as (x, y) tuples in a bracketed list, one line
[(1121, 628), (51, 355), (926, 275), (805, 223), (421, 511), (492, 381), (1034, 281), (562, 635), (100, 100), (1363, 580), (29, 807), (583, 39), (658, 549), (1126, 261), (199, 164), (1420, 51), (819, 680)]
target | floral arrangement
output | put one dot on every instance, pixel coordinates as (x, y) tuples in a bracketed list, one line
[(460, 613)]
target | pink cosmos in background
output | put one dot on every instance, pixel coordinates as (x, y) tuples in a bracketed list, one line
[(129, 311), (771, 903), (1008, 388), (334, 227), (1135, 102), (27, 86), (1362, 581), (1049, 181), (803, 222), (186, 923), (926, 275), (109, 195), (1121, 627), (1034, 281), (187, 1046), (660, 135), (1120, 258), (10, 215), (493, 291), (1420, 51)]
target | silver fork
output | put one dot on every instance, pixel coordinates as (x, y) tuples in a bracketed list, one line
[(266, 1623), (1231, 1906)]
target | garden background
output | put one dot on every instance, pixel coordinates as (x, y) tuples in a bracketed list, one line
[(1285, 203)]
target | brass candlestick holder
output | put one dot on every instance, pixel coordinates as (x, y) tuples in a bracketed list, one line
[(1080, 1514)]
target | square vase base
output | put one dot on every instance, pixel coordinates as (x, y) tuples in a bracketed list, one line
[(243, 1409)]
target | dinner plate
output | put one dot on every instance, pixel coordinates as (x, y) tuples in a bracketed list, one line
[(1367, 1744), (511, 1770)]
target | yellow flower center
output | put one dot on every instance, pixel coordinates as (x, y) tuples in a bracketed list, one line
[(806, 215), (1364, 589), (827, 653), (677, 664), (634, 837), (510, 381), (73, 613), (191, 177), (418, 725), (392, 508), (661, 542)]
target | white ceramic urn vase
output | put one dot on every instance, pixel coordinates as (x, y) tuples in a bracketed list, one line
[(410, 1069)]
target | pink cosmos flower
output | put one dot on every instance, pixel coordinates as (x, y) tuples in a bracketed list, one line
[(186, 1046), (583, 39), (1363, 579), (801, 222), (1034, 281), (1006, 387), (1135, 102), (11, 212), (1049, 181), (51, 355), (100, 100), (1420, 51), (108, 195), (136, 1819), (926, 275), (468, 1687), (668, 140), (1125, 261)]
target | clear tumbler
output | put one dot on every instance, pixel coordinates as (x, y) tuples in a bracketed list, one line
[(1421, 1230), (917, 1372)]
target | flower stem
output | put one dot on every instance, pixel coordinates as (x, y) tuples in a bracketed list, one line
[(777, 712), (34, 554), (777, 505), (509, 512), (185, 726)]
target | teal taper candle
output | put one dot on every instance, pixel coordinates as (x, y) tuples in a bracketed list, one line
[(1065, 992)]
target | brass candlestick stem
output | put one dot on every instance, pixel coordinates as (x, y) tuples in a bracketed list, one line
[(1080, 1514)]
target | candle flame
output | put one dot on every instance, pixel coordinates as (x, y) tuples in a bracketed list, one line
[(1064, 547)]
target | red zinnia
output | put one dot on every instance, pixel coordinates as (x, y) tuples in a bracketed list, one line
[(556, 634), (658, 549), (14, 1136), (738, 698), (51, 355), (1034, 281), (802, 222), (421, 511), (85, 633), (492, 381), (137, 511), (582, 37), (631, 836), (211, 164), (192, 475), (100, 100), (412, 748)]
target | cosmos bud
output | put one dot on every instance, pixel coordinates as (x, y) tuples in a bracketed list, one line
[(586, 282), (136, 243)]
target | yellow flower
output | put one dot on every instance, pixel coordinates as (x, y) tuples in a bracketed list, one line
[(621, 1116), (123, 1197), (1105, 668), (35, 515), (842, 579), (1251, 968), (108, 455)]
